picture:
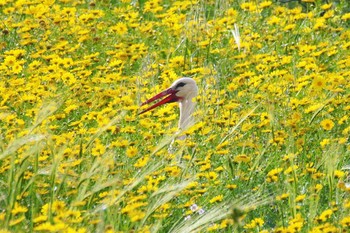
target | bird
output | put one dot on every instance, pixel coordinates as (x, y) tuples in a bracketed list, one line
[(182, 90)]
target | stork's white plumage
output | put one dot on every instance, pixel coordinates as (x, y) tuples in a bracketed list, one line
[(183, 91)]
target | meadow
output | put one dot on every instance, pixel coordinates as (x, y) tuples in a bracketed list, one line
[(269, 151)]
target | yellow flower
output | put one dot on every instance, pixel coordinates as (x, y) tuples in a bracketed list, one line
[(327, 124), (339, 174), (70, 108), (205, 167), (121, 28), (296, 224), (300, 198), (216, 199), (248, 6), (318, 83), (318, 187), (289, 27), (40, 218), (141, 162), (272, 176), (265, 4), (9, 10), (153, 6), (274, 20), (58, 207), (282, 197), (16, 221), (345, 222), (231, 186), (2, 216), (290, 169), (342, 140), (346, 16), (98, 150), (51, 227), (325, 215), (17, 68), (256, 222), (242, 158), (136, 215), (131, 151), (18, 209), (320, 23), (10, 61), (325, 142), (177, 61), (212, 175), (213, 227), (73, 216), (326, 6), (120, 142), (343, 120)]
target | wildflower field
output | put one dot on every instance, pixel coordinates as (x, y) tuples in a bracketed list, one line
[(269, 151)]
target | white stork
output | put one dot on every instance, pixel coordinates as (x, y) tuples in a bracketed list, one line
[(182, 91)]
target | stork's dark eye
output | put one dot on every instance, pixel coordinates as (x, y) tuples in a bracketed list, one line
[(181, 84)]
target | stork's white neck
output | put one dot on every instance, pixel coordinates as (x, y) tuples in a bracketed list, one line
[(186, 110)]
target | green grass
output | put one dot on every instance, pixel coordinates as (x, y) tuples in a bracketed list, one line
[(269, 151)]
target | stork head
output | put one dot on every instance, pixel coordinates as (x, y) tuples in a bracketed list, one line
[(182, 90)]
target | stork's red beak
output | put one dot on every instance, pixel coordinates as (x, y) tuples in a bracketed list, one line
[(170, 97)]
